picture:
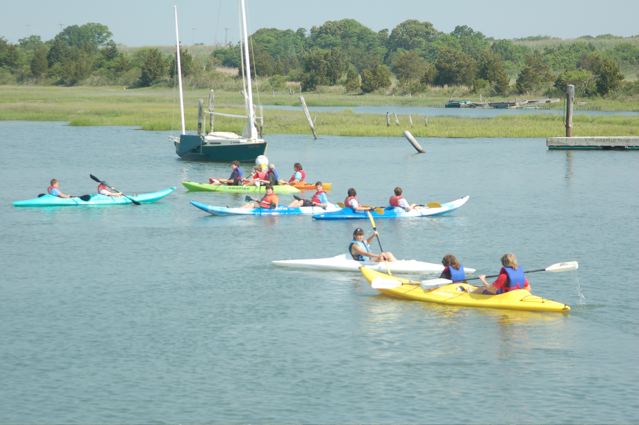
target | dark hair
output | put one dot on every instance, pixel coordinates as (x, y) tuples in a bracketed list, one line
[(398, 191), (358, 231), (318, 183), (451, 260), (351, 192), (268, 186), (236, 163), (297, 166)]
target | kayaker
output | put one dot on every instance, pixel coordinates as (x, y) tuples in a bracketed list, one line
[(299, 175), (270, 200), (235, 179), (273, 175), (453, 269), (260, 175), (54, 189), (360, 248), (398, 200), (104, 189), (319, 199), (511, 277), (352, 202)]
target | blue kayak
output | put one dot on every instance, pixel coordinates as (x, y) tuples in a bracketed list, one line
[(94, 199), (225, 211), (393, 212)]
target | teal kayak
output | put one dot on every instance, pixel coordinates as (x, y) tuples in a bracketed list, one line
[(206, 187), (94, 199)]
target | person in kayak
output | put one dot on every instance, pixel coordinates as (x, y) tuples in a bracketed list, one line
[(104, 189), (453, 269), (260, 175), (511, 277), (319, 199), (54, 189), (270, 200), (299, 175), (360, 248), (235, 179), (352, 202), (272, 175), (398, 200)]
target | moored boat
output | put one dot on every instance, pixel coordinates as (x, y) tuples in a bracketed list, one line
[(461, 294), (393, 212), (94, 199)]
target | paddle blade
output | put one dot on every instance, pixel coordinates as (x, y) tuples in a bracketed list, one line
[(372, 220), (248, 198), (95, 178), (434, 205), (85, 198), (340, 204), (567, 266), (383, 283), (379, 210), (434, 283)]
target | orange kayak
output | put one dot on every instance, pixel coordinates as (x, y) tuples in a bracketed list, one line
[(311, 186)]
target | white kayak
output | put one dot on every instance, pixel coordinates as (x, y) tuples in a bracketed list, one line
[(344, 262)]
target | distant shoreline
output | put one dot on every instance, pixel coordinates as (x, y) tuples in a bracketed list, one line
[(156, 109)]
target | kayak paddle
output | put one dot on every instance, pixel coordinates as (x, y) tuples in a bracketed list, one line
[(430, 205), (114, 189), (372, 220), (383, 283), (84, 198), (378, 210)]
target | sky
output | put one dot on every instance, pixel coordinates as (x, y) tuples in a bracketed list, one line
[(151, 22)]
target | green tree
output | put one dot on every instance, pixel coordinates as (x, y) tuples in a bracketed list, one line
[(534, 75), (429, 74), (322, 67), (153, 67), (455, 67), (8, 54), (582, 79), (412, 35), (39, 64), (472, 42), (186, 63), (376, 78), (408, 65), (607, 74), (491, 69), (353, 83)]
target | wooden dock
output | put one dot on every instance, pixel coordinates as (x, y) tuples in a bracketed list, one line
[(593, 143)]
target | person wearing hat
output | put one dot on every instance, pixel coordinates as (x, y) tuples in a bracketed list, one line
[(360, 248)]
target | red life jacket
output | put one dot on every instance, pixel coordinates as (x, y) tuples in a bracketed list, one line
[(315, 199), (262, 175), (103, 187), (347, 201), (269, 201), (49, 189), (302, 173), (394, 200)]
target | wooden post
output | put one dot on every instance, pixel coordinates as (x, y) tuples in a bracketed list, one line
[(311, 124), (570, 100), (200, 116), (396, 119), (387, 119), (410, 119)]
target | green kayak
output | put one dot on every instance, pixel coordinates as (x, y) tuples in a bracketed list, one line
[(206, 187)]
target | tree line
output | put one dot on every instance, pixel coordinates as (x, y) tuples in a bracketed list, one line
[(411, 58)]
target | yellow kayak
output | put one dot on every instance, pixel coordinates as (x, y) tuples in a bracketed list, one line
[(460, 294)]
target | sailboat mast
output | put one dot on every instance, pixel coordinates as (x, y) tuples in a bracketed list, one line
[(252, 135), (179, 70)]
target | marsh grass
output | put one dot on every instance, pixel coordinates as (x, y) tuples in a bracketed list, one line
[(156, 109)]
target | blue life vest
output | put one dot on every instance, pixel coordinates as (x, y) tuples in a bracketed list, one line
[(362, 245), (516, 278), (457, 275)]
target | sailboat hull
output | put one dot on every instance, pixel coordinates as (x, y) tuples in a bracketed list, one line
[(194, 148)]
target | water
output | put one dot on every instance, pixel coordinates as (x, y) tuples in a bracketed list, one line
[(162, 314), (452, 112)]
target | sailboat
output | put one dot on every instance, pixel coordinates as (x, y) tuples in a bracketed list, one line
[(222, 146)]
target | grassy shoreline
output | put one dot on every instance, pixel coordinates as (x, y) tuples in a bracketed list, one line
[(156, 109)]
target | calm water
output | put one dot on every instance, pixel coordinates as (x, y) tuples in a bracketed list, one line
[(162, 314)]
